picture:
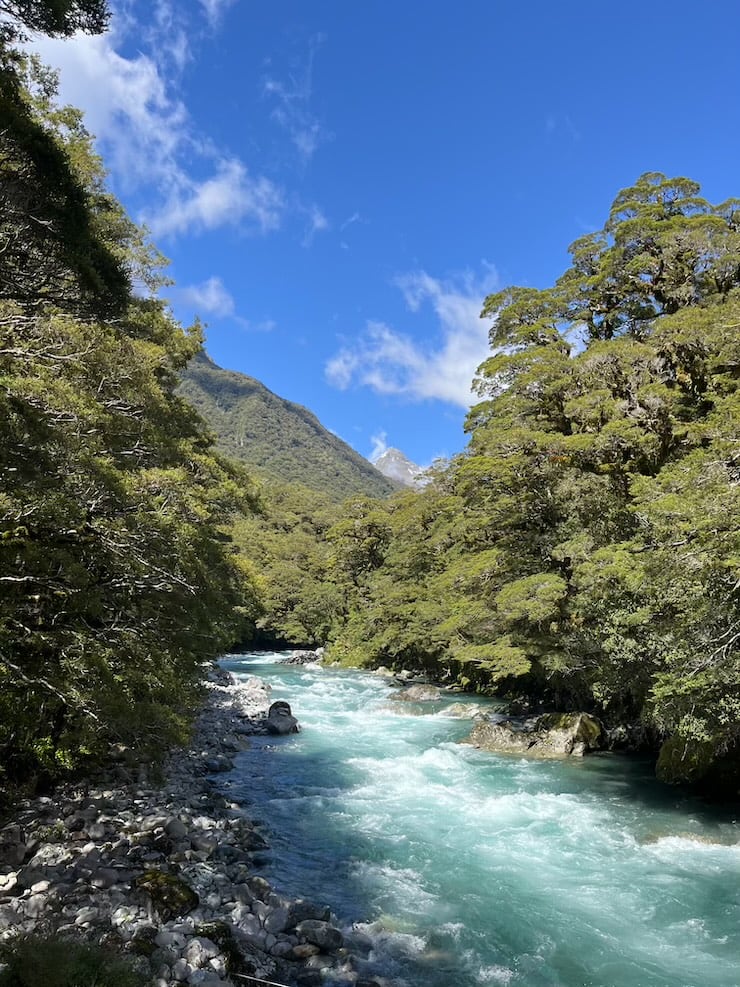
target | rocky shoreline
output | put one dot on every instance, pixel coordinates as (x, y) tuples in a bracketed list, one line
[(167, 873)]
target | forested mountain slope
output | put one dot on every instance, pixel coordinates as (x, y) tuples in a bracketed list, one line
[(280, 438)]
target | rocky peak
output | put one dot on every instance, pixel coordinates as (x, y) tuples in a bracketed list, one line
[(396, 466)]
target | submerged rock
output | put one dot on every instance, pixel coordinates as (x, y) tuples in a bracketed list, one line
[(303, 657), (418, 694), (551, 735), (464, 711)]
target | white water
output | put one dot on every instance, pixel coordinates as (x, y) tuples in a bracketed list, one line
[(467, 868)]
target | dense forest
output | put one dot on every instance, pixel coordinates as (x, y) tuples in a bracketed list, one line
[(117, 577), (583, 552), (275, 438)]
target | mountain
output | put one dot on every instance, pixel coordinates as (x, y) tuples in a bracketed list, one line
[(279, 438), (398, 467)]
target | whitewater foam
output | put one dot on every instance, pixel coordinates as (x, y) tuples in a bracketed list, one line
[(468, 869)]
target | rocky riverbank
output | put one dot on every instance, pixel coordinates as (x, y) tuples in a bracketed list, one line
[(169, 873)]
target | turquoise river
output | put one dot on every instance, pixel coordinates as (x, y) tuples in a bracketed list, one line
[(466, 868)]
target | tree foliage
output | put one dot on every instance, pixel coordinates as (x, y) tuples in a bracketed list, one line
[(56, 18), (585, 549), (280, 440), (116, 573)]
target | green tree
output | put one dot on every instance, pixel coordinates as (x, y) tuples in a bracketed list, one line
[(585, 547), (56, 17), (116, 570)]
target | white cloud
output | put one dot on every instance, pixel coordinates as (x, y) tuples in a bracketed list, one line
[(292, 109), (215, 9), (317, 223), (380, 445), (562, 123), (126, 102), (168, 36), (210, 297), (145, 132), (266, 325), (391, 362), (231, 197), (354, 218)]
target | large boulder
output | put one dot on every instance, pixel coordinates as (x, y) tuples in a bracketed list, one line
[(301, 658), (464, 711), (569, 734), (320, 934), (550, 736), (170, 895), (418, 694), (280, 720)]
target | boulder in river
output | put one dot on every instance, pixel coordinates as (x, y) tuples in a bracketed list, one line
[(302, 657), (320, 934), (280, 720), (551, 735), (465, 711), (418, 694)]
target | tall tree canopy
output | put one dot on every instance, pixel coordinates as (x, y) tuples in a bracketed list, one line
[(586, 547), (58, 243), (117, 577), (56, 18)]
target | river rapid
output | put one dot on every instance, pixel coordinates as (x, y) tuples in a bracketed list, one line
[(466, 868)]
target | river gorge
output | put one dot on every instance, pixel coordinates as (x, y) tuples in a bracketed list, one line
[(466, 868)]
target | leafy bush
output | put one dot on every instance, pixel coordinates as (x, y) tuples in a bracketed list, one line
[(41, 961)]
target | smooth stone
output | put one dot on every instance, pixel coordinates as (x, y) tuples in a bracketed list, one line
[(176, 829), (280, 720), (418, 694), (321, 934), (35, 906), (304, 949), (199, 950), (278, 920), (86, 915), (181, 970)]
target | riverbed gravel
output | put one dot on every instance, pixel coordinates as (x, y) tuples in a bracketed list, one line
[(168, 871)]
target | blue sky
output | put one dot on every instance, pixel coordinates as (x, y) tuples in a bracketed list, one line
[(339, 185)]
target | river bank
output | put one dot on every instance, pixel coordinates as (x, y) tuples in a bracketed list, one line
[(417, 849), (168, 872)]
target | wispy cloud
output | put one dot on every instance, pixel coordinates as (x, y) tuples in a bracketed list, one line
[(291, 97), (394, 363), (562, 123), (215, 9), (380, 445), (354, 218), (150, 143), (231, 197), (169, 36), (210, 298), (265, 325), (316, 223)]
